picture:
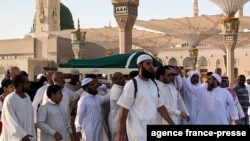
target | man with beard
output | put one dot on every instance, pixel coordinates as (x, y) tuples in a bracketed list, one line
[(105, 107), (17, 113), (170, 95), (214, 103), (88, 120), (140, 111)]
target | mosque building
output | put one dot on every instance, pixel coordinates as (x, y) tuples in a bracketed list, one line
[(46, 46), (40, 49)]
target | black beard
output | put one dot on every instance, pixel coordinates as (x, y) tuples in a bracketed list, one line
[(147, 74), (210, 87), (26, 91), (93, 92)]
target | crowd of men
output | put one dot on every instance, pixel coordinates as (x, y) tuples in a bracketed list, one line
[(52, 109)]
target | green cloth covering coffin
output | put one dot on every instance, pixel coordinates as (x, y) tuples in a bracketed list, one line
[(127, 60)]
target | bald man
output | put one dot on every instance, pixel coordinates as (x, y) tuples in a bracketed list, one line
[(14, 71), (118, 82), (40, 92)]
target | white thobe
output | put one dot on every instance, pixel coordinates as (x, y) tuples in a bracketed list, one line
[(51, 119), (172, 101), (213, 107), (189, 95), (38, 99), (142, 108), (1, 101), (68, 96), (115, 109), (17, 118), (88, 118), (239, 108)]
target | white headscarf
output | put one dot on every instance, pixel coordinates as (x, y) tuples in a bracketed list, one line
[(191, 73), (217, 77)]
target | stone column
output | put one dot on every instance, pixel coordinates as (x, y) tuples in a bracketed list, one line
[(76, 51), (125, 12), (230, 46)]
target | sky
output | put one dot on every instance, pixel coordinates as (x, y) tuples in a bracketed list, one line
[(16, 16)]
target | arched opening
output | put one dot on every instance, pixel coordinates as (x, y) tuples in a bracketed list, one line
[(203, 63), (172, 62), (218, 71), (187, 65)]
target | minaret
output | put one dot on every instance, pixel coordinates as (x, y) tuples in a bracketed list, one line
[(125, 13), (195, 8), (47, 15)]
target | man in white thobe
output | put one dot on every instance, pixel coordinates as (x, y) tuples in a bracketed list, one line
[(40, 93), (17, 113), (88, 120), (141, 109), (73, 85), (68, 95), (51, 119), (170, 95), (118, 82), (189, 93), (214, 103), (105, 107)]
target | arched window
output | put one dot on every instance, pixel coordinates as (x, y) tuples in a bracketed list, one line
[(218, 71), (186, 63), (203, 62), (172, 62)]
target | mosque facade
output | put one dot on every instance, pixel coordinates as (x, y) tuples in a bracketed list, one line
[(40, 49), (209, 59)]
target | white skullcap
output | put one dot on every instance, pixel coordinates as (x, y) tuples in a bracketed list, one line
[(74, 71), (103, 87), (143, 57), (217, 77), (86, 81), (40, 75)]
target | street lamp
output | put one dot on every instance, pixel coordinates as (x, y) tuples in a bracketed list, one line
[(109, 52), (78, 41), (230, 27)]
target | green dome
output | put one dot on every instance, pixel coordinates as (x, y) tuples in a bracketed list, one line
[(66, 19)]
